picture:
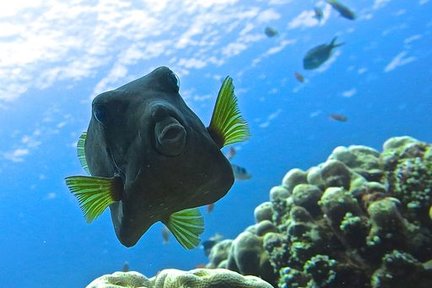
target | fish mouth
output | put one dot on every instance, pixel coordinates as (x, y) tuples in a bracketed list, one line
[(170, 137)]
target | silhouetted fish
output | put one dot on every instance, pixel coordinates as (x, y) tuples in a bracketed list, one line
[(210, 207), (299, 77), (165, 235), (316, 56), (240, 173), (339, 117), (343, 10), (270, 32), (318, 13), (209, 243), (152, 159)]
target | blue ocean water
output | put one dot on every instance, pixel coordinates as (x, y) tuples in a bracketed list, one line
[(55, 58)]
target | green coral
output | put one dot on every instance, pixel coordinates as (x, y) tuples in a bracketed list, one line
[(361, 219), (401, 270), (322, 270)]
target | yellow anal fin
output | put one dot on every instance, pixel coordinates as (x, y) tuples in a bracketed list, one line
[(186, 226), (227, 126), (94, 194)]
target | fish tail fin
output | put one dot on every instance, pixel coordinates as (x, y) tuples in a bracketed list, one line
[(186, 226), (227, 126), (333, 43), (94, 194)]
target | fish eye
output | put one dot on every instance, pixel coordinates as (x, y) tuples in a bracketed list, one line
[(100, 114)]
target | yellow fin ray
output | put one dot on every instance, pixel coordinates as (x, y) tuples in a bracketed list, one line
[(227, 126), (186, 226), (94, 194)]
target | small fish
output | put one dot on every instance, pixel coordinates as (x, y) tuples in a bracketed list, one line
[(338, 117), (343, 10), (270, 32), (141, 142), (165, 235), (231, 153), (125, 267), (210, 207), (299, 77), (318, 14), (240, 173), (316, 56), (209, 243)]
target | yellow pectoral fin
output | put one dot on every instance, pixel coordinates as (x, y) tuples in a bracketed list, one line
[(94, 194), (186, 226), (227, 126)]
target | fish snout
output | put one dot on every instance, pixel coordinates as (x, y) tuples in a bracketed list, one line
[(170, 135)]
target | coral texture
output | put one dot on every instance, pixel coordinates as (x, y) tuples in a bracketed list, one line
[(360, 219), (173, 278)]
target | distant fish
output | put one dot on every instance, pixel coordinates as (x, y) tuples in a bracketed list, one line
[(338, 117), (270, 32), (343, 10), (299, 77), (165, 235), (240, 173), (209, 243), (125, 267), (231, 153), (316, 56), (210, 207), (318, 14)]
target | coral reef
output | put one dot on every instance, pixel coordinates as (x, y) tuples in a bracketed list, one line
[(173, 278), (360, 219)]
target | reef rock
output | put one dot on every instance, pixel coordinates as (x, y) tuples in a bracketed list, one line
[(363, 218)]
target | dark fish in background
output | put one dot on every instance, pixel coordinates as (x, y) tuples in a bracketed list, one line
[(231, 153), (209, 243), (318, 14), (210, 207), (338, 117), (270, 32), (343, 10), (165, 235), (142, 141), (125, 267), (240, 173), (299, 77), (316, 56)]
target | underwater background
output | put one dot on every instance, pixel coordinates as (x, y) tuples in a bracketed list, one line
[(56, 56)]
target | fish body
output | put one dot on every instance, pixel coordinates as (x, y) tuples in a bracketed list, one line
[(316, 56), (209, 243), (240, 173), (318, 14), (343, 10), (152, 159), (299, 77), (270, 32), (338, 117)]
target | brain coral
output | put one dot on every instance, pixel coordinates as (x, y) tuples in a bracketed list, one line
[(173, 278), (360, 219)]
